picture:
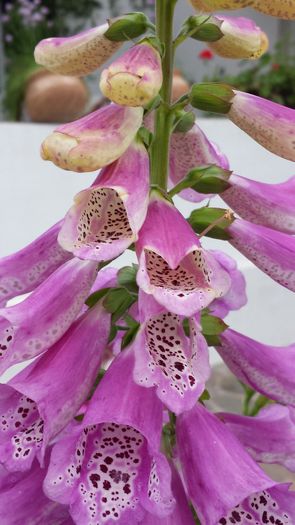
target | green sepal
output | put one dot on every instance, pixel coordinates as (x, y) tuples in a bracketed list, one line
[(212, 96), (204, 28), (155, 43), (96, 296), (117, 302), (205, 396), (205, 179), (212, 325), (146, 136), (127, 27), (127, 278), (201, 218), (184, 121), (131, 333), (212, 340)]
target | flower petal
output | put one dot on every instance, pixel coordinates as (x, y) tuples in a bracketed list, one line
[(269, 437), (236, 296), (76, 55), (267, 369), (32, 412), (269, 123), (242, 38), (175, 269), (218, 472), (93, 141), (135, 78), (32, 326), (189, 150), (271, 251), (23, 501), (270, 205), (113, 469), (166, 358), (106, 217), (24, 270)]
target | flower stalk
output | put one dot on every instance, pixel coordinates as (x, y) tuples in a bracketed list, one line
[(164, 115)]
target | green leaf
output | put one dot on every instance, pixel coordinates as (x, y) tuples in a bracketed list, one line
[(127, 278), (204, 217), (117, 302), (212, 325), (212, 96), (127, 27), (96, 296), (184, 120)]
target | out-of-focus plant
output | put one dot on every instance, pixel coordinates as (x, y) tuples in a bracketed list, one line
[(271, 77)]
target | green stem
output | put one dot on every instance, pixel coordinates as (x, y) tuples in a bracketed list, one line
[(164, 116)]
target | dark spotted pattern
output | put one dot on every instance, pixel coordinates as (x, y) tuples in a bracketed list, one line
[(28, 441), (258, 509), (6, 339), (165, 341), (103, 220), (190, 275)]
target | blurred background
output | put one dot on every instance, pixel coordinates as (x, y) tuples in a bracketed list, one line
[(29, 93)]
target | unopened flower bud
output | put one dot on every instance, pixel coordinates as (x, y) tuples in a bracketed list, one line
[(76, 55), (135, 78), (93, 141), (242, 39)]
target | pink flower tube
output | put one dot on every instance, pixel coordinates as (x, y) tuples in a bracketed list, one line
[(270, 124), (270, 205), (76, 55), (106, 218), (174, 268), (94, 141), (242, 39), (135, 78), (24, 270), (278, 8)]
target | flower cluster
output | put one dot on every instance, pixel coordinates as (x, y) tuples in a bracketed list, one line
[(107, 424)]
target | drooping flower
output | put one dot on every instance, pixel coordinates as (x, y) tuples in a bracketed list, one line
[(242, 39), (39, 401), (220, 475), (207, 6), (106, 217), (110, 468), (270, 124), (177, 365), (93, 141), (24, 270), (267, 369), (271, 205), (180, 275), (271, 251), (189, 150), (76, 55), (22, 500), (236, 296), (32, 326), (269, 437), (135, 78)]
